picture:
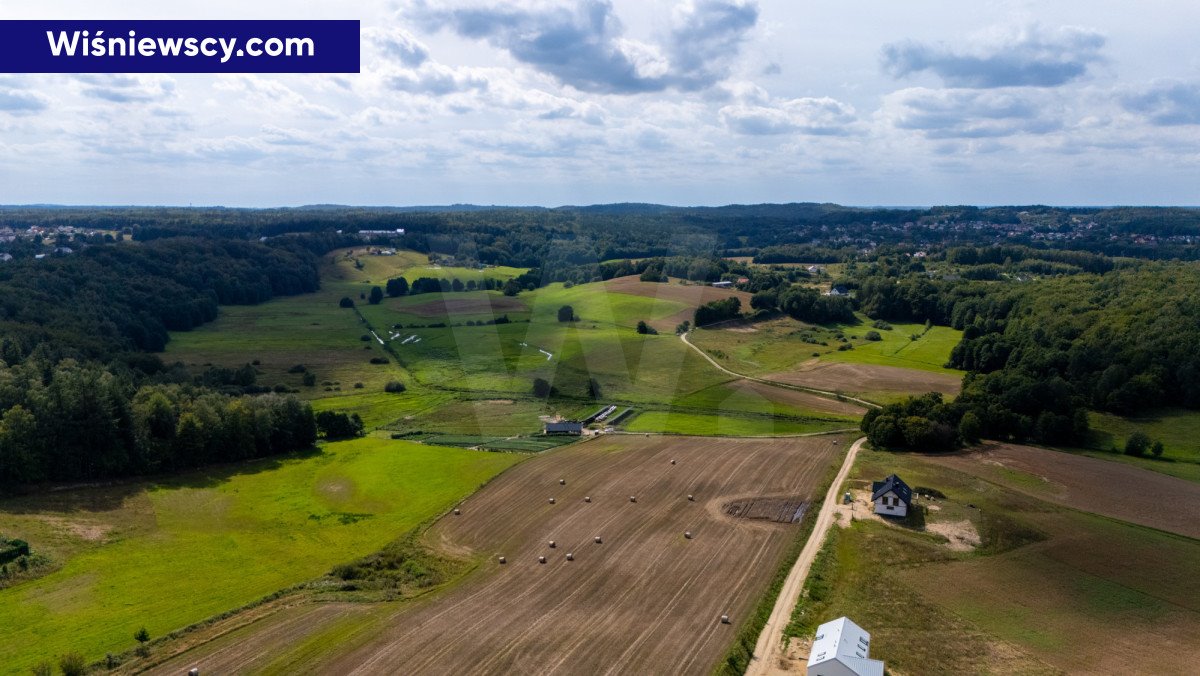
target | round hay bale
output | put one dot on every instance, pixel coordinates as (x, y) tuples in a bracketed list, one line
[(503, 560), (597, 539), (457, 512), (570, 556), (587, 498), (687, 534), (552, 545), (194, 671), (552, 501), (691, 498), (672, 461), (541, 559), (562, 482), (633, 498), (724, 619)]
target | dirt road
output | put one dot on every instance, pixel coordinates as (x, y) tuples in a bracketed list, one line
[(775, 383), (770, 642)]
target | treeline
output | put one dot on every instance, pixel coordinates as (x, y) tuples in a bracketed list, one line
[(805, 304), (82, 396), (118, 298), (80, 422), (1040, 355)]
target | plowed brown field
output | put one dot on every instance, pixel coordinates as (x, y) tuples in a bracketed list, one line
[(692, 295), (646, 600)]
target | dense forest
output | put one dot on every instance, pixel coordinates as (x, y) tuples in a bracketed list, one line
[(82, 396)]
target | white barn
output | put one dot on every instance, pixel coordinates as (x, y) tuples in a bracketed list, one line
[(842, 648), (892, 497)]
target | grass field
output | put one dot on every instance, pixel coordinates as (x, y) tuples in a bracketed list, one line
[(1049, 589), (168, 554), (1177, 429), (702, 424), (783, 344)]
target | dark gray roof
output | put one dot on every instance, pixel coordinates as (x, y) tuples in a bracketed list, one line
[(892, 483), (564, 426)]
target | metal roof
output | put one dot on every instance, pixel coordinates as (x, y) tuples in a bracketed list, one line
[(894, 484)]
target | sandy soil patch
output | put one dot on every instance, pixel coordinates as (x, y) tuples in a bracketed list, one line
[(961, 535), (92, 532)]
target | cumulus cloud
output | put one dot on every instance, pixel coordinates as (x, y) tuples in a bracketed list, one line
[(583, 44), (126, 88), (399, 44), (434, 79), (1029, 57), (815, 116), (18, 102), (1166, 103), (970, 113)]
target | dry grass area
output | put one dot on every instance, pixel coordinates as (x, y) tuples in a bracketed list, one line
[(854, 378), (691, 295), (445, 305), (645, 600), (1110, 489), (801, 400)]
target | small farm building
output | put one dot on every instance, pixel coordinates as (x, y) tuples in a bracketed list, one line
[(838, 290), (892, 497), (842, 648), (564, 427)]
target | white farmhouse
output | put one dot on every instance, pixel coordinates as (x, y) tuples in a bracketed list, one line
[(892, 497), (842, 648)]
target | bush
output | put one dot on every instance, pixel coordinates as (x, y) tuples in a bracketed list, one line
[(339, 425), (645, 329), (566, 313), (379, 360), (365, 337), (1137, 444), (394, 387), (873, 336), (72, 664), (309, 379), (358, 386), (346, 302), (298, 368), (1157, 449), (881, 325), (542, 388)]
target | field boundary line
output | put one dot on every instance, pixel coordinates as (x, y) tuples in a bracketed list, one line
[(776, 383), (770, 641)]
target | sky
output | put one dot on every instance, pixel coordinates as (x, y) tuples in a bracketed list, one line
[(686, 102)]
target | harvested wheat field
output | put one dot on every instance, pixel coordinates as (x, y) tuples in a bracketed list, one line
[(1111, 489), (869, 378), (646, 599)]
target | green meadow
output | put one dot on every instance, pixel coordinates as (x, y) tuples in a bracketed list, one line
[(171, 553), (783, 344), (1177, 429), (731, 425)]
